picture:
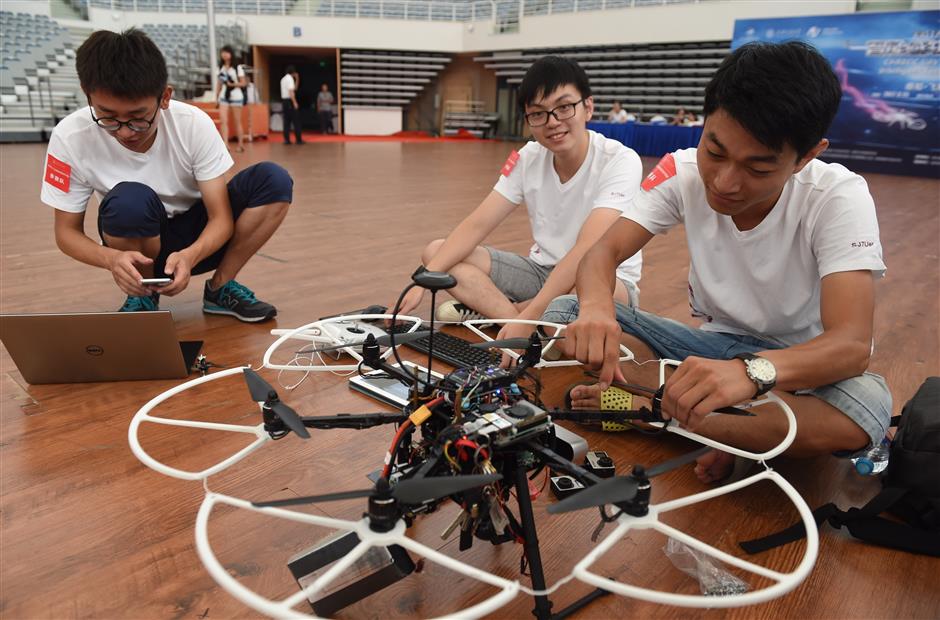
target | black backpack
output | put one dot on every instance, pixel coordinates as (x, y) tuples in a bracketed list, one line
[(911, 488)]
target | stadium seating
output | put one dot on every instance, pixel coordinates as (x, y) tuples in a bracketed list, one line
[(37, 76), (387, 79), (646, 79), (186, 48)]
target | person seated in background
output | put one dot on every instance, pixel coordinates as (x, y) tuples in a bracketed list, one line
[(575, 184), (157, 166), (658, 119), (784, 253), (679, 118), (616, 114)]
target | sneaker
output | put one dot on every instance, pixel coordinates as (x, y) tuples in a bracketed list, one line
[(453, 311), (141, 303), (236, 300)]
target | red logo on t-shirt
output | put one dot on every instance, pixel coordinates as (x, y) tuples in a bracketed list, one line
[(665, 169), (510, 163), (58, 173)]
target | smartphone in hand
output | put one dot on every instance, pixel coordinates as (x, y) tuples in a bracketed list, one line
[(156, 281)]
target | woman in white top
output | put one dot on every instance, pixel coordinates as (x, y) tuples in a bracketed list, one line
[(617, 114), (231, 93)]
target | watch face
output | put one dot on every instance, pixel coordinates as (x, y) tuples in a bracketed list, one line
[(762, 370)]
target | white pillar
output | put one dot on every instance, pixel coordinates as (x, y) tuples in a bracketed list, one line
[(213, 51)]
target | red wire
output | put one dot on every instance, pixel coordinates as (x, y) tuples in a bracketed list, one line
[(391, 451), (387, 470)]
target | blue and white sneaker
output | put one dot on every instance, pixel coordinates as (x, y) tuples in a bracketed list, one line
[(145, 303), (238, 301)]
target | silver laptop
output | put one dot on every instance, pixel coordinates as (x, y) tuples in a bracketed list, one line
[(100, 346)]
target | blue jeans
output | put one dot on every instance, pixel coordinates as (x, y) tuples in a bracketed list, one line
[(865, 399)]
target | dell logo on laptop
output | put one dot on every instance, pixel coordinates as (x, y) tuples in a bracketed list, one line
[(94, 349)]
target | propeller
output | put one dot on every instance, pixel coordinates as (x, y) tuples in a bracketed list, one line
[(412, 491), (511, 343), (262, 392), (382, 341), (620, 488)]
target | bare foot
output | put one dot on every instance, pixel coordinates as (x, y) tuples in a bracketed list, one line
[(714, 466), (586, 397)]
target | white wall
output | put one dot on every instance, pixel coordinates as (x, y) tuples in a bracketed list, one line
[(648, 24), (106, 19), (362, 33), (37, 7), (672, 23)]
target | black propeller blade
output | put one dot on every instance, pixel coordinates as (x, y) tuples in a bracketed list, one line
[(382, 341), (413, 491), (679, 461), (620, 488), (511, 343), (417, 490), (262, 392)]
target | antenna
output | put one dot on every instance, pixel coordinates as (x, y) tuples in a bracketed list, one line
[(433, 281)]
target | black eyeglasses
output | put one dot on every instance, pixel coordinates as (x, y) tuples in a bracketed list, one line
[(561, 112), (112, 125)]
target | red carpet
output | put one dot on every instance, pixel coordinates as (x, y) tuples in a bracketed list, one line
[(402, 136)]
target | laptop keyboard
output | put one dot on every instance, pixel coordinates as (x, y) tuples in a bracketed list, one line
[(452, 350)]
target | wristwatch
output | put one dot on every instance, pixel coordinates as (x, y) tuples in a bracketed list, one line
[(759, 370)]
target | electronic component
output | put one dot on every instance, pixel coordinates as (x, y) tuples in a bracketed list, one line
[(599, 463), (507, 424), (564, 486), (377, 568)]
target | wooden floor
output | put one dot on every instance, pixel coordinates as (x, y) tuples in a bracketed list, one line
[(88, 531)]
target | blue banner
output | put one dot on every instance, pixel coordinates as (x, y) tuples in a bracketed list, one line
[(889, 67)]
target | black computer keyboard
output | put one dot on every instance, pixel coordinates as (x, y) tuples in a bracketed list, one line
[(452, 350)]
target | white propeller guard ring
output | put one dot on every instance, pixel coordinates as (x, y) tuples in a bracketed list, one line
[(143, 415), (785, 582), (626, 356), (367, 537), (298, 334)]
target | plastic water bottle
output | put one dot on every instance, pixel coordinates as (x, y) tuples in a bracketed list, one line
[(875, 460)]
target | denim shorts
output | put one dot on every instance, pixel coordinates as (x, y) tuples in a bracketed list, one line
[(865, 399), (520, 278), (133, 211)]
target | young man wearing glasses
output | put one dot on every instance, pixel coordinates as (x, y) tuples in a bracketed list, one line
[(575, 184), (784, 256), (158, 166)]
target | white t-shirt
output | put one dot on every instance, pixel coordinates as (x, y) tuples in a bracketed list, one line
[(609, 178), (287, 85), (620, 116), (83, 158), (235, 75), (766, 281)]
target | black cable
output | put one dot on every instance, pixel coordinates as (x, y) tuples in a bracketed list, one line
[(391, 340)]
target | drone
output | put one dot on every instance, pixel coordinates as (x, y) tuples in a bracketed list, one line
[(474, 437)]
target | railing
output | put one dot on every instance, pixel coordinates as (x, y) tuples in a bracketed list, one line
[(507, 11)]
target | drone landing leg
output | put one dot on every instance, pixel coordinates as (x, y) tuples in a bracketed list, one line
[(543, 606), (579, 604)]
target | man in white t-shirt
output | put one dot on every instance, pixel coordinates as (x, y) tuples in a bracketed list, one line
[(784, 252), (289, 85), (157, 166), (575, 183)]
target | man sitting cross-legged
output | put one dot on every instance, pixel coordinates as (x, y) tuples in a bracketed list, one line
[(157, 164), (574, 182), (784, 252)]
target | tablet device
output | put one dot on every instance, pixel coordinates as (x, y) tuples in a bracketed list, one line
[(390, 391)]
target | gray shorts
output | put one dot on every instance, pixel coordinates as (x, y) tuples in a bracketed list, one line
[(865, 399), (520, 278)]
